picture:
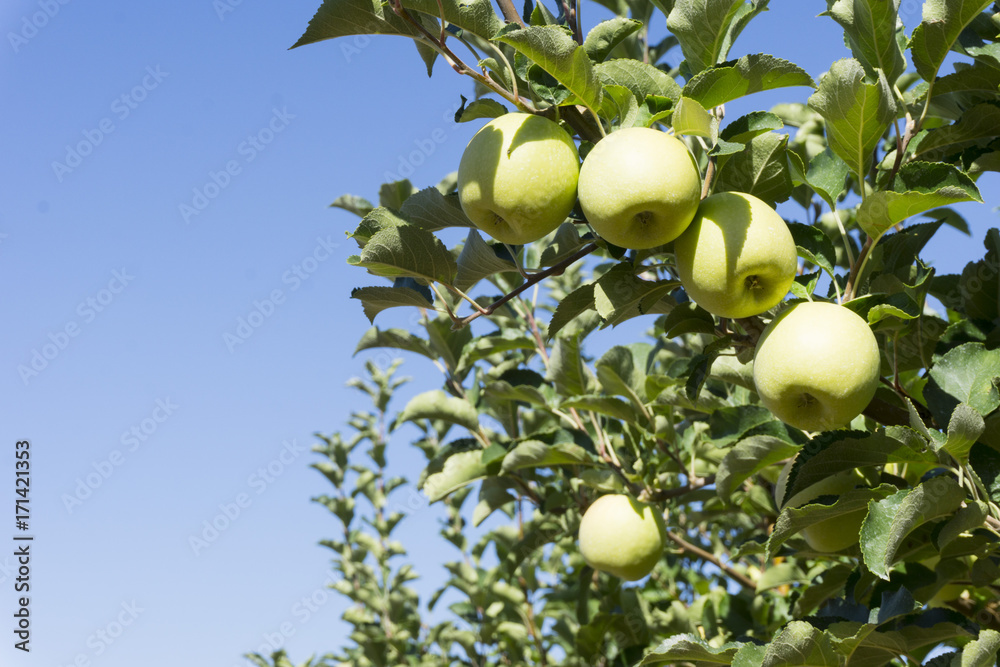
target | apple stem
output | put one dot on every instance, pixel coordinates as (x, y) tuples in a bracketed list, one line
[(706, 185)]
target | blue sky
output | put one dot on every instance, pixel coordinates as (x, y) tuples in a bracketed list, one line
[(168, 172)]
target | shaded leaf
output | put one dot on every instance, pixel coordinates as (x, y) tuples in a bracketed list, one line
[(478, 261), (436, 404), (553, 49), (376, 299), (605, 36)]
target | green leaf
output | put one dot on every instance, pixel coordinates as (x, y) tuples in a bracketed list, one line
[(482, 347), (870, 28), (553, 49), (691, 118), (827, 175), (620, 295), (376, 299), (477, 261), (966, 374), (761, 169), (605, 405), (889, 521), (943, 21), (375, 221), (706, 29), (792, 520), (747, 458), (406, 251), (856, 112), (493, 495), (919, 186), (567, 371), (392, 195), (687, 317), (605, 36), (451, 472), (641, 78), (985, 462), (690, 648), (339, 18), (967, 518), (622, 371), (814, 246), (399, 339), (977, 124), (570, 307), (838, 451), (430, 210), (537, 454), (566, 242), (799, 644), (484, 107), (964, 429), (436, 404), (356, 205), (737, 78), (982, 652), (619, 106), (754, 124)]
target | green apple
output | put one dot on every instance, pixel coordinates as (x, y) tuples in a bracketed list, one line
[(622, 536), (836, 533), (517, 177), (737, 258), (639, 188), (816, 366)]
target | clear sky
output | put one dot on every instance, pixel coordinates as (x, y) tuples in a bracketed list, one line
[(167, 175)]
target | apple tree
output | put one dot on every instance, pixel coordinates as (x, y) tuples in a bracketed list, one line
[(835, 503)]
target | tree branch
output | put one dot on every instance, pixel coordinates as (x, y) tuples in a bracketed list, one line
[(691, 549), (528, 284)]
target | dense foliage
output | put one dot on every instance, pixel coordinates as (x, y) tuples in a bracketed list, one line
[(526, 426)]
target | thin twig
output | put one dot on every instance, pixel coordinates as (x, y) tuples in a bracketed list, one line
[(527, 284), (691, 549)]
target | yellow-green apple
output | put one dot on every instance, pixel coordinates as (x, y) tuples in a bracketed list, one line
[(835, 533), (639, 188), (737, 258), (622, 536), (517, 177), (816, 366)]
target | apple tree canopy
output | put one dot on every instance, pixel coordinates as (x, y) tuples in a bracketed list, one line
[(571, 368)]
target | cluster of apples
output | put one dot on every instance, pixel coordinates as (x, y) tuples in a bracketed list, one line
[(816, 365)]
